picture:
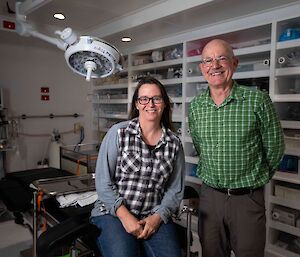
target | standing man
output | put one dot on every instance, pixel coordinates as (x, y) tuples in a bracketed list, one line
[(238, 137)]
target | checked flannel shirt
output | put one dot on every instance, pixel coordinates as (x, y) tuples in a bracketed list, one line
[(240, 143)]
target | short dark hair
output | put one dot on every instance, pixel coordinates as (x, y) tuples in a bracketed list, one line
[(166, 118)]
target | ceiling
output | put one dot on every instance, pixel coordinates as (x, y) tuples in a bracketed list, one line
[(143, 20)]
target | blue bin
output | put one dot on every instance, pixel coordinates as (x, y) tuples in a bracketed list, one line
[(289, 34)]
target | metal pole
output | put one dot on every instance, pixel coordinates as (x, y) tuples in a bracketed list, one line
[(34, 223), (189, 218)]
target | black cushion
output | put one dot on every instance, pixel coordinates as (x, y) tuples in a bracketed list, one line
[(64, 234)]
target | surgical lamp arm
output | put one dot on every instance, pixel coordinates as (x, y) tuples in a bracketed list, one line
[(88, 56), (24, 29), (59, 43)]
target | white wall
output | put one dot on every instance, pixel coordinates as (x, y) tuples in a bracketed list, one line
[(24, 69)]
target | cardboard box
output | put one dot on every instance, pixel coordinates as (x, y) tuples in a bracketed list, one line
[(288, 193)]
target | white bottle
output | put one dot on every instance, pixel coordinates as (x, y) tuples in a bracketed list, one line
[(54, 154)]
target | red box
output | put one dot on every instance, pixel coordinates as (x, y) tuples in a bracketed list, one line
[(45, 97), (45, 90), (9, 25)]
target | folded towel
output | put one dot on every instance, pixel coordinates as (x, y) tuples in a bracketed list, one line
[(82, 199)]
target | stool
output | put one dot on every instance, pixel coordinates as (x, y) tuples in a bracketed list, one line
[(189, 192)]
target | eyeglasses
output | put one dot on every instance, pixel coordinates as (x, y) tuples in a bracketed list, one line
[(221, 59), (145, 100)]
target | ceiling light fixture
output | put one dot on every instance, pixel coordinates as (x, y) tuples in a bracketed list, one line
[(59, 16), (88, 56), (126, 39)]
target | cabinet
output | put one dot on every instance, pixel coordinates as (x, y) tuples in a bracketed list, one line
[(268, 47), (110, 101), (283, 193)]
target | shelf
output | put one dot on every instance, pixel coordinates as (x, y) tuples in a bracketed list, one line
[(287, 177), (285, 228), (286, 98), (252, 50), (290, 124), (195, 79), (280, 252), (251, 74), (292, 146), (111, 86), (176, 99), (285, 202), (287, 71), (171, 81), (111, 101), (176, 118), (156, 65), (195, 58), (288, 44), (114, 116)]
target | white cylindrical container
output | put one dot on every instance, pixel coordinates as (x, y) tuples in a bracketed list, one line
[(54, 158), (266, 62), (281, 60)]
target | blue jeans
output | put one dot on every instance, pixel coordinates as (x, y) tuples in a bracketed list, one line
[(114, 241)]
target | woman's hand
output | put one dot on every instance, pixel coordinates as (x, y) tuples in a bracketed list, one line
[(129, 222), (150, 224)]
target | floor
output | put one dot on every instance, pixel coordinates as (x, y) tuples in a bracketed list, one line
[(14, 238)]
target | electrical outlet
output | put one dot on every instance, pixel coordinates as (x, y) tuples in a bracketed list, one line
[(77, 127)]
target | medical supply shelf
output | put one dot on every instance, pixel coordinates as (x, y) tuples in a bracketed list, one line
[(110, 102), (257, 41)]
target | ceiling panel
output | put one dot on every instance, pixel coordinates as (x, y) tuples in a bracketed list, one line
[(83, 15), (88, 15)]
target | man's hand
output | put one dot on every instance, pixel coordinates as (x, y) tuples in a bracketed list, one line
[(151, 225)]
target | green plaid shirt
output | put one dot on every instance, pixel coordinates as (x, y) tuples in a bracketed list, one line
[(240, 143)]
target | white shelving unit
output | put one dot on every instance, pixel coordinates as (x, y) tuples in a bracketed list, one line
[(110, 101), (285, 93), (175, 63)]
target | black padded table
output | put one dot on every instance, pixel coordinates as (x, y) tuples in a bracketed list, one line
[(15, 191)]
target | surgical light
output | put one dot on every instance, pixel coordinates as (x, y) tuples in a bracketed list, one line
[(88, 56)]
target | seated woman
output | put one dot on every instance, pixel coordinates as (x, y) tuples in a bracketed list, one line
[(140, 179)]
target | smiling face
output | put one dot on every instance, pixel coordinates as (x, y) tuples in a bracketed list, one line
[(153, 110), (218, 64)]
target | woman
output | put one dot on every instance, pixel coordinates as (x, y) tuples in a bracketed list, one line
[(139, 179)]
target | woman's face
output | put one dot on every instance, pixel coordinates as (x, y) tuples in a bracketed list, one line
[(150, 103)]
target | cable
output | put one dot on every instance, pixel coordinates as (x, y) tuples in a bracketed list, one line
[(80, 139)]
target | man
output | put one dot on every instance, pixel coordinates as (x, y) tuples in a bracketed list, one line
[(239, 140)]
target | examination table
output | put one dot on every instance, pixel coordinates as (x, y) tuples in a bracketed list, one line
[(67, 224), (17, 194)]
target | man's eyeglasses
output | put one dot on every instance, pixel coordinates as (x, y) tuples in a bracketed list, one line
[(145, 100), (221, 59)]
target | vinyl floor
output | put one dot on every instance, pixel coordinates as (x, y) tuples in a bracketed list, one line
[(14, 238)]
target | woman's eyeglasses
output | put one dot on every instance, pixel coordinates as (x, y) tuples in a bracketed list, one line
[(145, 100), (221, 59)]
